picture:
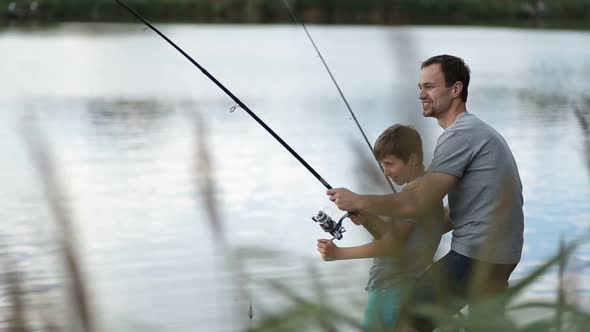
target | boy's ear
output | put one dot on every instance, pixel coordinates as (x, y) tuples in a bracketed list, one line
[(413, 160)]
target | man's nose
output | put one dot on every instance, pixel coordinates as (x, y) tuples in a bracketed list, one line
[(422, 94)]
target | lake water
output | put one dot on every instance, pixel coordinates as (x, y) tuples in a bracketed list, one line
[(123, 115)]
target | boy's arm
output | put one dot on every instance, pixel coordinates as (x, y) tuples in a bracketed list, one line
[(389, 245)]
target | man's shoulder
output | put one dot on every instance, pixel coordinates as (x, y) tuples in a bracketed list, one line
[(467, 121), (467, 126)]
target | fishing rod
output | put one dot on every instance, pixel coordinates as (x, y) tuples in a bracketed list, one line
[(327, 224), (297, 21)]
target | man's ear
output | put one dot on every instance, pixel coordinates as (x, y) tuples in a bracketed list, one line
[(456, 89)]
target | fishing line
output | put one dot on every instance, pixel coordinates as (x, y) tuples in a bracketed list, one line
[(297, 21)]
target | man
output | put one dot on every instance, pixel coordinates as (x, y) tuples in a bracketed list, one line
[(474, 166)]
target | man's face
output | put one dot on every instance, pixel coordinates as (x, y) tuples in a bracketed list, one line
[(397, 169), (435, 96)]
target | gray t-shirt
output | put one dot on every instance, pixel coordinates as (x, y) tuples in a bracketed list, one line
[(486, 204), (415, 257)]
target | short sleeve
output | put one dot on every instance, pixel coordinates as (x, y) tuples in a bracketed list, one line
[(452, 154)]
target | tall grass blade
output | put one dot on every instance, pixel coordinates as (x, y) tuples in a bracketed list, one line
[(54, 193)]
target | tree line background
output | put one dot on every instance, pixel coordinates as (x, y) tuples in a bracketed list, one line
[(319, 11)]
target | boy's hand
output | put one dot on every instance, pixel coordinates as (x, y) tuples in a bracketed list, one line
[(328, 250)]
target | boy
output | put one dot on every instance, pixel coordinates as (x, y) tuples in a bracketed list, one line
[(407, 247)]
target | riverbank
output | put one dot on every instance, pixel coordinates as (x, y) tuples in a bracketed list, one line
[(553, 13)]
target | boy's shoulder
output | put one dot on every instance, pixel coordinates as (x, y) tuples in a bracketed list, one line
[(413, 184)]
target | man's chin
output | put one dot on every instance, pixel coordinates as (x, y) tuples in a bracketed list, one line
[(427, 113)]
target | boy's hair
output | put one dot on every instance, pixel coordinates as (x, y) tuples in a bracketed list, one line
[(400, 141), (454, 69)]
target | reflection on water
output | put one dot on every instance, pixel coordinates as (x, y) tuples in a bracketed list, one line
[(117, 107), (127, 120)]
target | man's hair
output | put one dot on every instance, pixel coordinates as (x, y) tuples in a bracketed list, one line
[(400, 141), (454, 69)]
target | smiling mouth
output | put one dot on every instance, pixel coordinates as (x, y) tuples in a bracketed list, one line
[(398, 181), (426, 104)]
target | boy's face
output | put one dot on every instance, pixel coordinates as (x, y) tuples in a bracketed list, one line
[(398, 170)]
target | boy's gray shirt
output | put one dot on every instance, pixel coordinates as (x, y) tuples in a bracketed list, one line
[(486, 203), (416, 255)]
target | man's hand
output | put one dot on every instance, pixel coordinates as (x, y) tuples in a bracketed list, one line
[(327, 249), (357, 219), (345, 199)]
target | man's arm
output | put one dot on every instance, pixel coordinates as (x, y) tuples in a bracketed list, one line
[(448, 226), (407, 204)]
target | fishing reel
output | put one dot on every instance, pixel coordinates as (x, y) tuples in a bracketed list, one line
[(329, 225)]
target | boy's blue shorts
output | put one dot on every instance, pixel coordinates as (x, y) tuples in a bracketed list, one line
[(382, 309)]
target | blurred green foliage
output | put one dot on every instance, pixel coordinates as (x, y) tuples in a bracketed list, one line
[(324, 11)]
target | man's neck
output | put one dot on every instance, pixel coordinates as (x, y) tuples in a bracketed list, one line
[(449, 117)]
